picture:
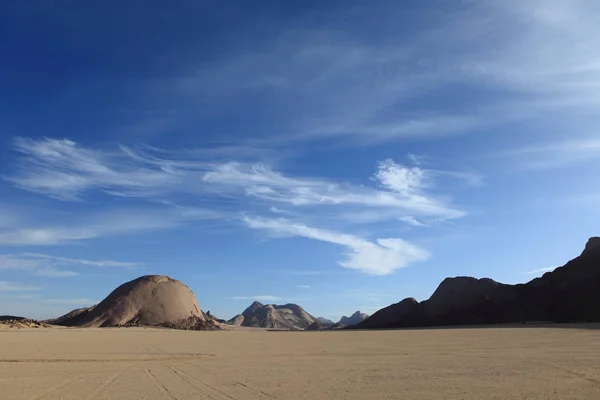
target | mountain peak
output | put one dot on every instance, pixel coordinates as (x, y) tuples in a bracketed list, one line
[(288, 316), (354, 319), (253, 307), (592, 246)]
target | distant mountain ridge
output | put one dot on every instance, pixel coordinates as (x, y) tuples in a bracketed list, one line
[(325, 320), (354, 319), (288, 316), (570, 293)]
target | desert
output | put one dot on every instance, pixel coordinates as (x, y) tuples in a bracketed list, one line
[(313, 200), (531, 362), (472, 339)]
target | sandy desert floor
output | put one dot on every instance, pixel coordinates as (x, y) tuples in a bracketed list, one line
[(136, 363)]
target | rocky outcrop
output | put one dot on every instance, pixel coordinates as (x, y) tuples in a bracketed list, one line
[(408, 312), (288, 316), (12, 321), (354, 319), (325, 320), (150, 300), (568, 294), (209, 316), (320, 326), (572, 292)]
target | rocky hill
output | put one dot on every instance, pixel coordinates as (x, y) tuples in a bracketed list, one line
[(568, 294), (150, 300), (320, 325), (325, 320), (354, 319), (288, 316), (11, 321)]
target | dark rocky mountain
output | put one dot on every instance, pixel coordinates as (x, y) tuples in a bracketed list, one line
[(150, 300), (568, 294), (406, 313), (354, 319), (288, 316)]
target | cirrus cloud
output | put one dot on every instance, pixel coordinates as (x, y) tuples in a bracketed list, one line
[(381, 257)]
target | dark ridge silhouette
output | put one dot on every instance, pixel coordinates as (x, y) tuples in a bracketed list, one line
[(570, 293), (4, 318)]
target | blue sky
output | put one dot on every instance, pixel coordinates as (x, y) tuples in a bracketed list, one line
[(340, 155)]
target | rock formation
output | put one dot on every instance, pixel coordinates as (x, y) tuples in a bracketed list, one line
[(354, 319), (325, 320), (12, 321), (288, 316), (150, 300), (568, 294)]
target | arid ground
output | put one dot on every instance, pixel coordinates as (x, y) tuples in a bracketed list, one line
[(137, 363)]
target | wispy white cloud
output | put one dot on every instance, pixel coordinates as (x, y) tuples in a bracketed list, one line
[(348, 85), (523, 59), (93, 263), (397, 178), (65, 170), (304, 286), (537, 271), (381, 257), (39, 267), (51, 266), (413, 221), (552, 154), (553, 55), (45, 236), (74, 228), (402, 188), (258, 298), (82, 302), (306, 272), (62, 169), (16, 287), (54, 272), (470, 178), (276, 210)]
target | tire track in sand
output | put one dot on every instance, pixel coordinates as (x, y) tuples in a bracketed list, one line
[(593, 381), (103, 386), (163, 389), (189, 380), (202, 388), (255, 393), (56, 387)]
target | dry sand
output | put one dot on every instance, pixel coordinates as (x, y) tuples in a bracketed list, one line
[(137, 363)]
